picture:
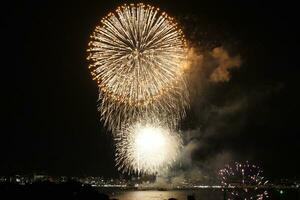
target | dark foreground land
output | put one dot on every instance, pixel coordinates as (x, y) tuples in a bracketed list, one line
[(48, 190), (78, 191)]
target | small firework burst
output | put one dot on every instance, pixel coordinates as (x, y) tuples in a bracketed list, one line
[(243, 181)]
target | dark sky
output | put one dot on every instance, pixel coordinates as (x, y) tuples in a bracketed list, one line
[(50, 121)]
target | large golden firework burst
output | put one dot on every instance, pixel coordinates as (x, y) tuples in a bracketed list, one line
[(137, 56)]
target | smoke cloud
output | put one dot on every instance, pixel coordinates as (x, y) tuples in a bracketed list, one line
[(207, 124), (216, 120), (225, 63)]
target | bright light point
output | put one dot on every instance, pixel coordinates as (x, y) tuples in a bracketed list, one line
[(150, 140), (151, 145), (281, 191)]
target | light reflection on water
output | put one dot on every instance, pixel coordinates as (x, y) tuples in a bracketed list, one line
[(151, 195), (165, 195)]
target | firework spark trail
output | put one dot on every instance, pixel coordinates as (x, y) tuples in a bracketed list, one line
[(137, 57), (244, 181), (147, 147)]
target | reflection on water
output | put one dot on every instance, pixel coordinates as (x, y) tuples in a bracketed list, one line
[(151, 195), (199, 194), (165, 195)]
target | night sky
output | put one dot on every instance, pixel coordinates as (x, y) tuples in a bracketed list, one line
[(49, 115)]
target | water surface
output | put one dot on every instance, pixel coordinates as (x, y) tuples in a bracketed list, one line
[(200, 194)]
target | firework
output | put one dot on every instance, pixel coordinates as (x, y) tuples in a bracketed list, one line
[(137, 56), (147, 147), (243, 181)]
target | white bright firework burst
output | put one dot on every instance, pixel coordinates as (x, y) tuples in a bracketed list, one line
[(138, 55), (243, 181), (147, 147)]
